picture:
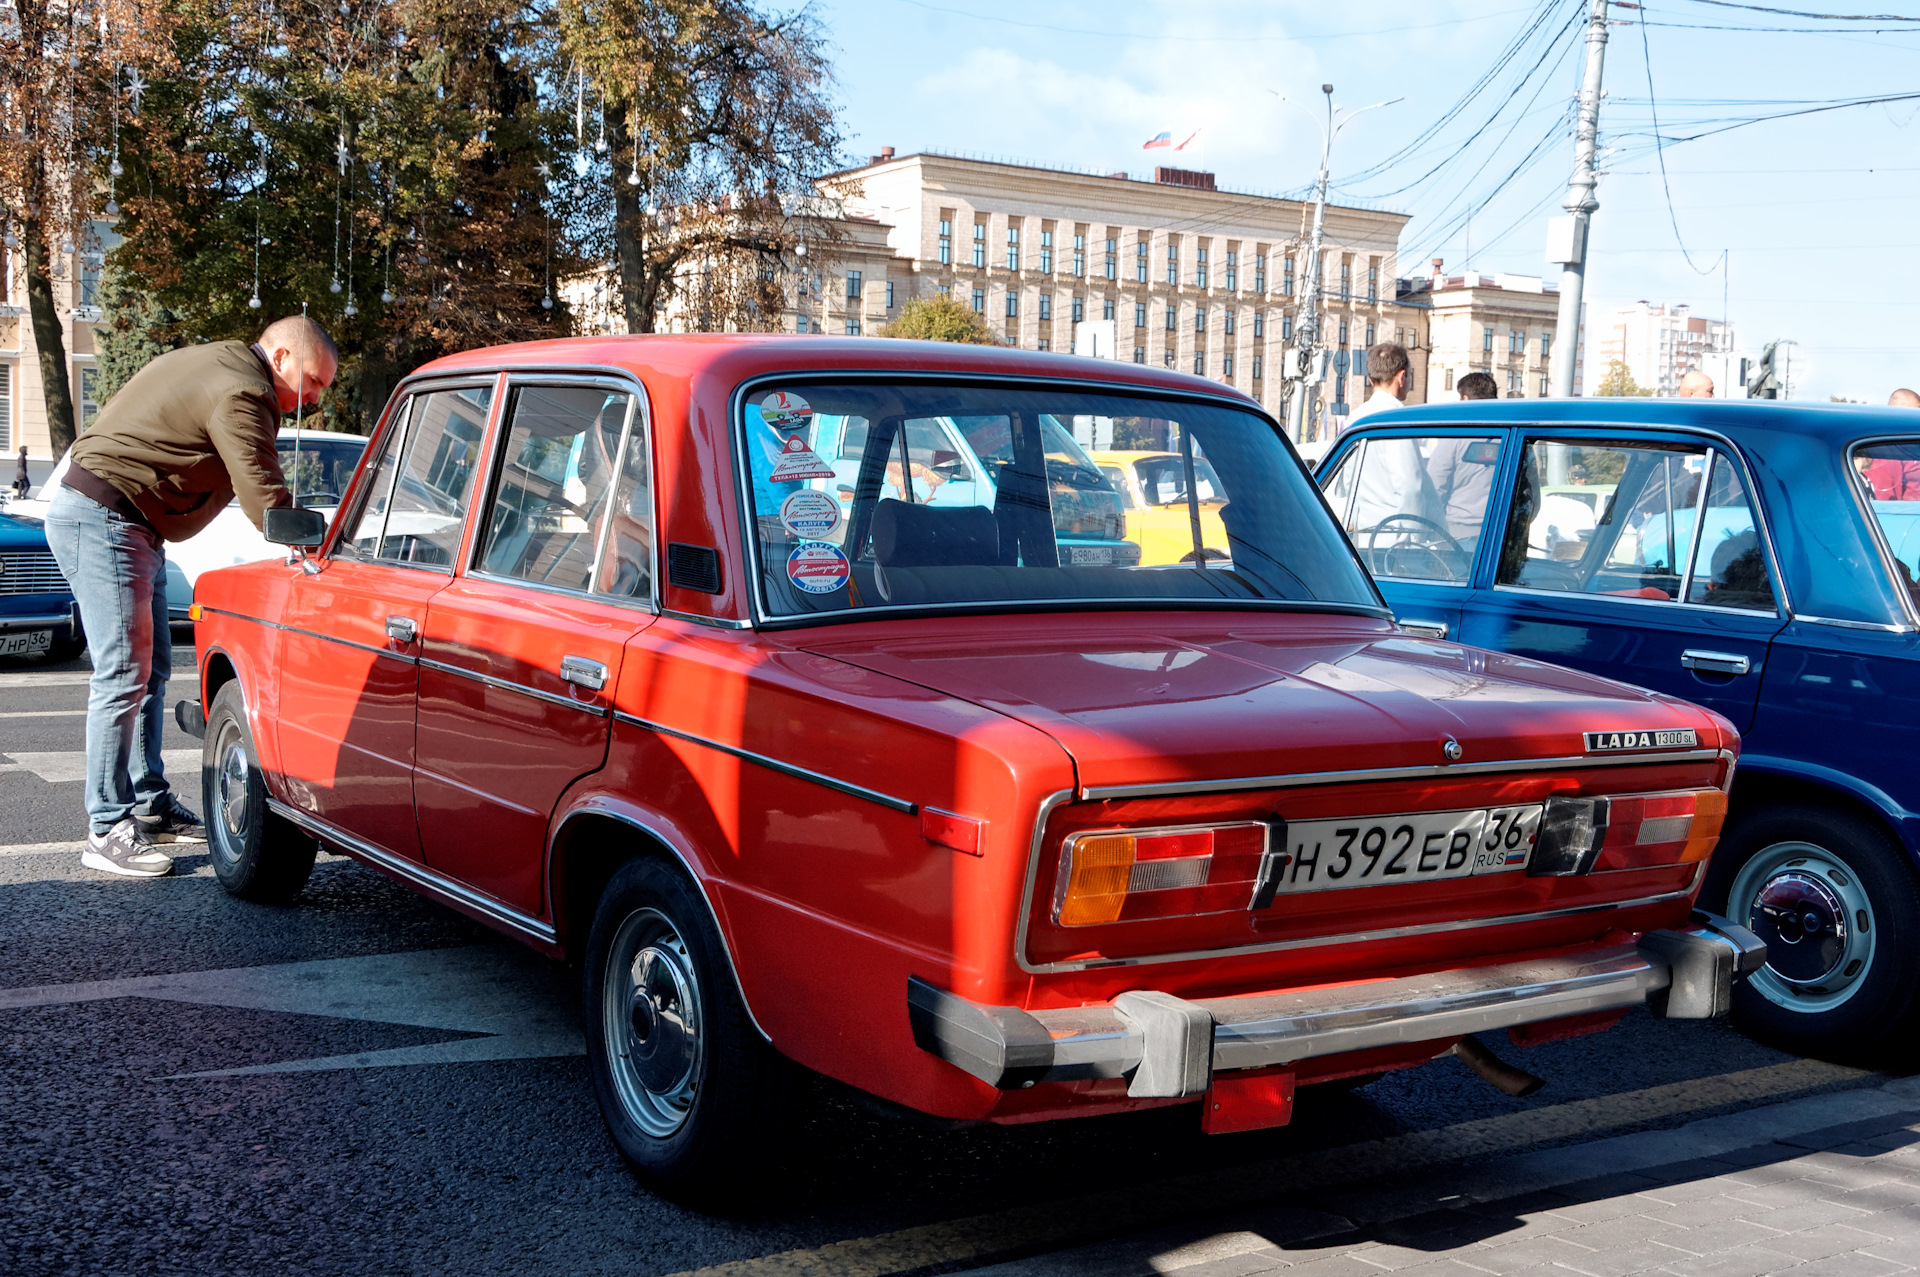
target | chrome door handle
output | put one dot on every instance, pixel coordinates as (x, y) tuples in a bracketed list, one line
[(1424, 629), (1715, 662), (401, 628), (582, 672)]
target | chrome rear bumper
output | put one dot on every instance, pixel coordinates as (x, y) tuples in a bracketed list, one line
[(1170, 1047)]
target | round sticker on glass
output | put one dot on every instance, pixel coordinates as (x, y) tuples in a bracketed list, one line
[(817, 568), (810, 515), (784, 410)]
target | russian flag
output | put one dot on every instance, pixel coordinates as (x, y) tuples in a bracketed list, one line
[(1165, 141)]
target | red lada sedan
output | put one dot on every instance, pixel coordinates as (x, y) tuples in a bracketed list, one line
[(796, 689)]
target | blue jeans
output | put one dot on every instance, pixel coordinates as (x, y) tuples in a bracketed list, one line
[(118, 571)]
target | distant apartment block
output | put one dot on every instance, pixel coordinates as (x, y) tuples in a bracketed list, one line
[(1503, 325), (1660, 344)]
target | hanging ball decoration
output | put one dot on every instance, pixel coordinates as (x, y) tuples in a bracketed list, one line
[(350, 310), (113, 208), (800, 250), (633, 177), (578, 191), (334, 287), (66, 246), (13, 240), (114, 169), (253, 302), (546, 303), (652, 208), (600, 146), (386, 298), (581, 163)]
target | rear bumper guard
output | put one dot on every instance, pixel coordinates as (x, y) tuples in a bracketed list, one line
[(1167, 1046)]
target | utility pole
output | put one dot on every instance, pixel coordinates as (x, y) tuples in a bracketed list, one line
[(1567, 236), (1306, 327)]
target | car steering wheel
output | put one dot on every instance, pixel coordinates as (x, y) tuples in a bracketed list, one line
[(1431, 538)]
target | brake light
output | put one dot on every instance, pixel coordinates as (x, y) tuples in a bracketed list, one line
[(1123, 875), (1646, 830)]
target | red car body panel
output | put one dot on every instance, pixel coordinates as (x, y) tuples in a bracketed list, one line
[(785, 768)]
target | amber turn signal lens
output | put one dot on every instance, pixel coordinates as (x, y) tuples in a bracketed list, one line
[(1098, 874), (1709, 814), (193, 611), (1678, 827)]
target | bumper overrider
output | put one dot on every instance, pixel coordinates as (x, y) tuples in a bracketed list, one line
[(1171, 1047)]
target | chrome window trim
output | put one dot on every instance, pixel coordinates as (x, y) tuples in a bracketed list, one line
[(1707, 608), (900, 805), (1857, 625), (505, 685), (468, 516), (400, 420), (419, 875), (1166, 789), (1054, 800), (1888, 560), (718, 622), (743, 494)]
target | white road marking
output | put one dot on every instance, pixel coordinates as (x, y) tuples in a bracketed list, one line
[(52, 678), (43, 848), (55, 766), (44, 713), (527, 1009)]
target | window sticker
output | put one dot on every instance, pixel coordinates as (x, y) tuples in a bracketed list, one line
[(817, 567), (784, 410), (810, 515), (797, 462)]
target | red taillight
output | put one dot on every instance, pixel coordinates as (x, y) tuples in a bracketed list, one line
[(1649, 830), (1122, 875)]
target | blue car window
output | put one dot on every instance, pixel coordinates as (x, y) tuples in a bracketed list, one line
[(1729, 563), (1889, 477), (1415, 508)]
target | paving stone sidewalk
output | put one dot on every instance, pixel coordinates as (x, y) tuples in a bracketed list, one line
[(1839, 1200)]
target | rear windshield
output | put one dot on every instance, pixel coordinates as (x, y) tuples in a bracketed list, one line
[(888, 496)]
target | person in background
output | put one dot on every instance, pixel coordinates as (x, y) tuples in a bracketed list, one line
[(1889, 478), (22, 481), (1389, 373), (1477, 385), (1695, 385), (187, 433)]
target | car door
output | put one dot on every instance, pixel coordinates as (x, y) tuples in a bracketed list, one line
[(1416, 506), (348, 676), (1637, 557), (519, 654)]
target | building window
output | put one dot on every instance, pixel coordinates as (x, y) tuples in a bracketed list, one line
[(979, 244), (979, 301), (1139, 354), (1286, 278), (1013, 304), (1513, 381), (1260, 273), (1449, 379), (1343, 332), (1140, 261), (1286, 328), (1139, 314), (1546, 344), (1516, 343), (853, 285), (1079, 256), (1046, 252), (90, 278), (1045, 344), (1256, 368), (1233, 270), (1486, 341), (1373, 280), (853, 328), (1259, 323), (1226, 365), (1229, 323), (946, 241), (889, 294), (1346, 279), (1200, 268), (945, 290), (1199, 319), (1013, 246), (1173, 261), (1543, 388), (1106, 308), (1200, 365), (89, 386), (1113, 259), (1046, 305), (1173, 317), (1079, 308), (1167, 358), (1369, 336)]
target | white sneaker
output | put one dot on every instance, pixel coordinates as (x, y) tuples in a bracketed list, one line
[(127, 850)]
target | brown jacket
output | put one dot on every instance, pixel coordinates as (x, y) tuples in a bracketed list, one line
[(186, 434)]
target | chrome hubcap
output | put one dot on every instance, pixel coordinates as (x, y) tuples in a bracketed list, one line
[(1816, 919), (231, 782), (651, 1016)]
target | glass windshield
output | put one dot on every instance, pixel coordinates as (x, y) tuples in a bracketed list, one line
[(891, 496), (318, 470)]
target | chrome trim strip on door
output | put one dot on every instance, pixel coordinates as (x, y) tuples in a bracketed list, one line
[(717, 622), (1855, 625), (419, 875), (773, 764), (312, 634), (552, 698), (1163, 789)]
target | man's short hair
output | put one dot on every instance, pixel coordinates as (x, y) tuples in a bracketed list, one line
[(1385, 362), (1903, 398), (306, 339), (1478, 385)]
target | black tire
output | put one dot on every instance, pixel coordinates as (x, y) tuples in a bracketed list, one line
[(691, 1094), (256, 855), (1837, 901)]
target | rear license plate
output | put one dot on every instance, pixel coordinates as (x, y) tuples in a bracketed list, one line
[(25, 644), (1366, 851)]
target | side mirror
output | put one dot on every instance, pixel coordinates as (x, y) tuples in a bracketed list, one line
[(293, 525)]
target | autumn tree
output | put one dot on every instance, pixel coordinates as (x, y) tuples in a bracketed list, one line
[(1619, 383), (941, 317)]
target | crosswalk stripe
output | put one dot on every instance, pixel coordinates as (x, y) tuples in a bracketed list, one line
[(42, 848), (43, 713), (59, 765)]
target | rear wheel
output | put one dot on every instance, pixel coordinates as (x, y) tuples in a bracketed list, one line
[(256, 855), (1837, 903), (690, 1093)]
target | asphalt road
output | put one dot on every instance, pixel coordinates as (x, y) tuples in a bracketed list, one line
[(368, 1083)]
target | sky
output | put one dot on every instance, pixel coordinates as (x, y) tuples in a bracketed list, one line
[(1815, 213)]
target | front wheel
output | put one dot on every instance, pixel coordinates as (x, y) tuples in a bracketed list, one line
[(688, 1089), (1836, 901), (256, 855)]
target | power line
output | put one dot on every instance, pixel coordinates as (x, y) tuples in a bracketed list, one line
[(1802, 13), (1646, 53), (1199, 39)]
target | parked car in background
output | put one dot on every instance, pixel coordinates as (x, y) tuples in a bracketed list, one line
[(1153, 487), (38, 616), (912, 792), (1737, 555)]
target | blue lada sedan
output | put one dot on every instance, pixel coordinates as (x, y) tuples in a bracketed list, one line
[(1757, 558), (38, 616)]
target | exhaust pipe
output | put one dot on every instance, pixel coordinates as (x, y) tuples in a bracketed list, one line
[(1516, 1082)]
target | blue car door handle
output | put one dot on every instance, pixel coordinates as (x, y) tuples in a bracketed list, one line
[(1424, 628), (1715, 662)]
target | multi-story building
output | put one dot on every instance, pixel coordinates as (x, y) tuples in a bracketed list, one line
[(1503, 325), (1171, 271), (76, 281), (1660, 344)]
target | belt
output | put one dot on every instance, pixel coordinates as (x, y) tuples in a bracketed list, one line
[(90, 485)]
